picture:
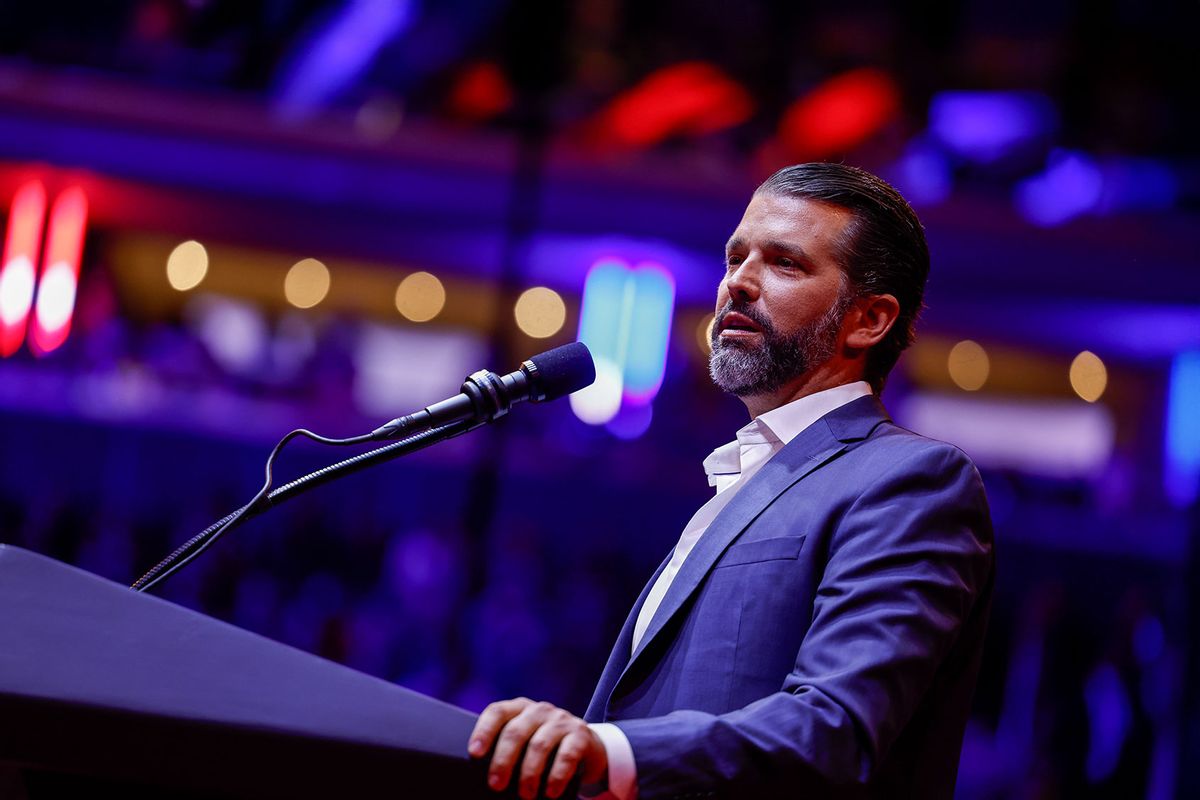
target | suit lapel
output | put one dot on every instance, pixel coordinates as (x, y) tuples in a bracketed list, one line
[(815, 446), (619, 657)]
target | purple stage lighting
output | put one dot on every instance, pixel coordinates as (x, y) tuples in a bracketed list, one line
[(1071, 185), (923, 173), (984, 127)]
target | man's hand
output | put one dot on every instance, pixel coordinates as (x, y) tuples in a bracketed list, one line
[(537, 729)]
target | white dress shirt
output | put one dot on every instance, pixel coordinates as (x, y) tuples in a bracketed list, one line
[(728, 467)]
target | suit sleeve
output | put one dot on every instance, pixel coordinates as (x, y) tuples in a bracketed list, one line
[(905, 567)]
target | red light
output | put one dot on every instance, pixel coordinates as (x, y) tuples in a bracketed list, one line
[(839, 114), (480, 93), (692, 98), (60, 276), (18, 271)]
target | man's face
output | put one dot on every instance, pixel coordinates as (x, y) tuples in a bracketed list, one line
[(783, 297)]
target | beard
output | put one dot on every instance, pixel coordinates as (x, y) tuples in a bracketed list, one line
[(743, 369)]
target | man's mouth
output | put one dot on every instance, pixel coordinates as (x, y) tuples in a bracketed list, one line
[(736, 324)]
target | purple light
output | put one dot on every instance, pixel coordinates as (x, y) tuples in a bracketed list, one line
[(987, 126), (340, 52), (631, 421), (923, 173), (1071, 185)]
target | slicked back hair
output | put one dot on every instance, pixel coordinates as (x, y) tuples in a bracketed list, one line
[(883, 249)]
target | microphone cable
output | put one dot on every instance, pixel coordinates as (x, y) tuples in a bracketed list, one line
[(193, 547)]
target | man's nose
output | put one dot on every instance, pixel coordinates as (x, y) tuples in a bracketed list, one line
[(743, 283)]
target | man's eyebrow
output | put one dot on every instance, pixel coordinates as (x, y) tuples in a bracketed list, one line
[(774, 245)]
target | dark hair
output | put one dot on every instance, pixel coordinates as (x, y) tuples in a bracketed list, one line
[(883, 250)]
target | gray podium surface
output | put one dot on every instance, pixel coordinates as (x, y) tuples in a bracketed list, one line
[(101, 686)]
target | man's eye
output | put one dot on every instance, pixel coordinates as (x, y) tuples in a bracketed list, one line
[(732, 261), (787, 262)]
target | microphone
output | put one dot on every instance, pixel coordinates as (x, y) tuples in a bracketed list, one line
[(487, 396)]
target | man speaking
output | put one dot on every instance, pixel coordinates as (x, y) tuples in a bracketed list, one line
[(817, 629)]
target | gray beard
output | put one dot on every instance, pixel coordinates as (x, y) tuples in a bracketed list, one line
[(744, 370)]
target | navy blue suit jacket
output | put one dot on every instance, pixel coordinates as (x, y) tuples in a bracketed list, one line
[(823, 637)]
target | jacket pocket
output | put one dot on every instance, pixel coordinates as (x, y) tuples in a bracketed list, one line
[(782, 547)]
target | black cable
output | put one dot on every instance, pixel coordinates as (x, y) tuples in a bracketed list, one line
[(265, 499)]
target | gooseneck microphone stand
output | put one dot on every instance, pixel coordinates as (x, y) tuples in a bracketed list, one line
[(267, 499), (485, 396)]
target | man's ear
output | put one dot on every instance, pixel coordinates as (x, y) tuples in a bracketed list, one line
[(870, 319)]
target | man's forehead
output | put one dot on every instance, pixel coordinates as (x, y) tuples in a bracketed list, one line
[(795, 220)]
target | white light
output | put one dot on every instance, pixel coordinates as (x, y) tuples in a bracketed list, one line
[(56, 298), (234, 333), (16, 290), (399, 367), (601, 401), (1058, 439)]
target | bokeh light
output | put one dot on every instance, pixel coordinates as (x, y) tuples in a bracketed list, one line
[(1088, 376), (704, 333), (307, 283), (600, 402), (420, 297), (968, 365), (540, 312), (187, 265)]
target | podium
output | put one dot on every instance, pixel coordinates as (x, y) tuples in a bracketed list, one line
[(104, 688)]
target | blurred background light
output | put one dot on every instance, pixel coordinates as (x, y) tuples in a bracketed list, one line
[(653, 307), (378, 118), (307, 283), (400, 368), (631, 421), (1088, 376), (692, 98), (540, 312), (480, 92), (1138, 184), (600, 402), (985, 127), (839, 114), (234, 332), (968, 365), (420, 297), (625, 320), (1051, 438), (1182, 451), (704, 334), (187, 265), (55, 303), (18, 271), (1072, 184), (923, 173), (339, 49)]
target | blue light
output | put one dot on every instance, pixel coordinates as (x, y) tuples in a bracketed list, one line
[(341, 50), (1181, 472), (599, 318), (650, 331), (987, 126), (1138, 184), (626, 323), (1072, 184), (923, 174)]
